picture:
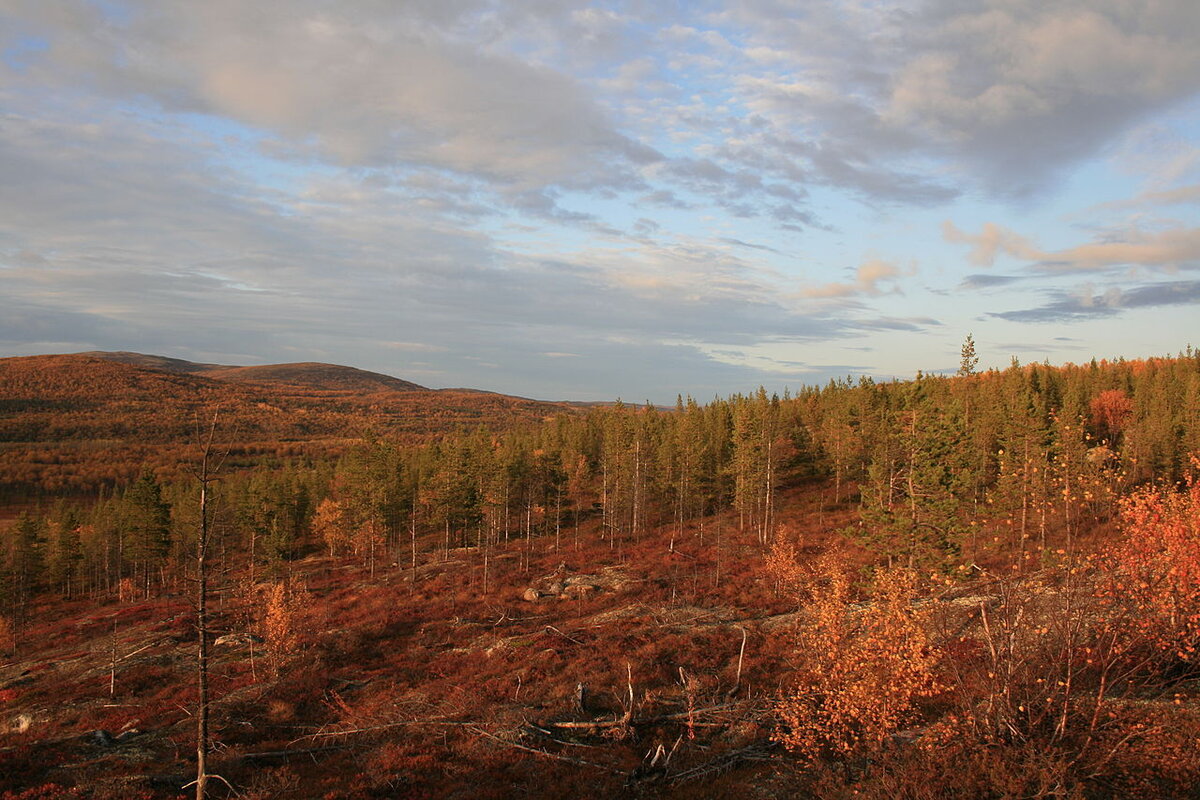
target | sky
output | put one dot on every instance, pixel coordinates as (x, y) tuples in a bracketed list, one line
[(580, 201)]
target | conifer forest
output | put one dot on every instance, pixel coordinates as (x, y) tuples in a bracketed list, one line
[(980, 585)]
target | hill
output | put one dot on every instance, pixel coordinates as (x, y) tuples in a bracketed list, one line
[(151, 361), (75, 423), (310, 375), (318, 376)]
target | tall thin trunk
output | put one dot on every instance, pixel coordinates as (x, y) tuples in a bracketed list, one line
[(637, 483), (202, 640), (528, 531), (605, 525), (412, 538), (204, 476)]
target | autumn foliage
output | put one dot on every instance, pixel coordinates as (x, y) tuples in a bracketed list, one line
[(285, 610), (702, 601), (863, 666), (1111, 411), (1155, 567)]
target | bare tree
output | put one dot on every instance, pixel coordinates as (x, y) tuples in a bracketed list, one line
[(205, 473)]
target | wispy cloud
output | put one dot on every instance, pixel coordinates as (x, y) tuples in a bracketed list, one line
[(986, 281), (1171, 249), (1087, 303), (867, 280)]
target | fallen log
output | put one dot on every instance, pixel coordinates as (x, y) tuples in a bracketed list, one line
[(723, 763), (655, 720), (579, 762), (277, 755)]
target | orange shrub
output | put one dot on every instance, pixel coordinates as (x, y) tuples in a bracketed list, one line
[(284, 611), (863, 666), (1155, 569)]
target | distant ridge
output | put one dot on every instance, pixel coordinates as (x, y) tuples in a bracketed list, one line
[(308, 374), (152, 362), (316, 375), (86, 421)]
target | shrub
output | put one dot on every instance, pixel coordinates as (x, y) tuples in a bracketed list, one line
[(863, 667)]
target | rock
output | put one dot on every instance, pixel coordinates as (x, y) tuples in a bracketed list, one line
[(581, 698), (106, 739), (239, 639), (560, 584), (173, 783)]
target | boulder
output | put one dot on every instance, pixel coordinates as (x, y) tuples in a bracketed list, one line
[(239, 639)]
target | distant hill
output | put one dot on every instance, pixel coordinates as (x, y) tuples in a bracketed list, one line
[(78, 422), (151, 362), (317, 376), (312, 375)]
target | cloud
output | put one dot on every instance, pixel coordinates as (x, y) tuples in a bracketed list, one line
[(895, 104), (1020, 89), (364, 88), (1180, 195), (987, 281), (1008, 92), (495, 182), (867, 278), (1170, 249), (184, 257), (749, 245), (412, 347), (991, 241), (1087, 303)]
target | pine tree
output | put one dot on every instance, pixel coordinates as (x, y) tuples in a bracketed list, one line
[(65, 557), (25, 564), (146, 526), (914, 513), (969, 360)]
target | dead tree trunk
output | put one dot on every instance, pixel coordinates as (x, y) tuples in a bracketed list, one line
[(205, 474)]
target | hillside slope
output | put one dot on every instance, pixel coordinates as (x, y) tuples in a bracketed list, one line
[(78, 422), (309, 374)]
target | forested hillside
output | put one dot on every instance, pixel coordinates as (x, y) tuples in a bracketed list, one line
[(985, 585), (82, 423)]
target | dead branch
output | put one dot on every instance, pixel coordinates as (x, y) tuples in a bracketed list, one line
[(628, 720), (374, 728), (273, 755), (550, 628), (550, 735), (546, 754), (741, 654), (723, 763)]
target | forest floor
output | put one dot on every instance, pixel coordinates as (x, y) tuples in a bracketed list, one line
[(554, 667), (637, 669)]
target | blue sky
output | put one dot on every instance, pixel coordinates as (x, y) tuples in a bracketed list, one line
[(574, 201)]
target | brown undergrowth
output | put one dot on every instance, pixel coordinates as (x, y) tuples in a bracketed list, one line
[(712, 669)]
